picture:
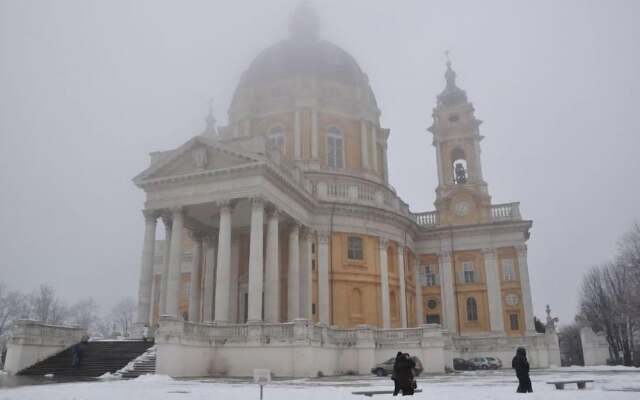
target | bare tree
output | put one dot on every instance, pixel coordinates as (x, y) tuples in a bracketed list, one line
[(45, 307), (122, 314), (13, 305), (84, 313)]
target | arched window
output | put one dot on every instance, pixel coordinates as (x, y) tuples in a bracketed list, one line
[(459, 164), (356, 303), (472, 309), (335, 148), (276, 139)]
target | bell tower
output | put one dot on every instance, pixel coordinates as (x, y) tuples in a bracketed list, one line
[(462, 196)]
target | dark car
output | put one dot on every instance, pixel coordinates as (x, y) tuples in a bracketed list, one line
[(386, 367), (460, 364)]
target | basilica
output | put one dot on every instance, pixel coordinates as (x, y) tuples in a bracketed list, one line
[(285, 241)]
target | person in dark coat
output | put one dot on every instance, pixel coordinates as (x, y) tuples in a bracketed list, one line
[(521, 365), (396, 386), (403, 370), (76, 351)]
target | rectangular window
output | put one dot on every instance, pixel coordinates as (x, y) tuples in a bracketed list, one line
[(334, 155), (514, 322), (468, 272), (354, 248), (508, 272), (276, 141), (313, 308), (429, 277), (313, 265), (433, 318)]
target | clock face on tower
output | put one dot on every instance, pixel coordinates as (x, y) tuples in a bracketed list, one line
[(461, 208)]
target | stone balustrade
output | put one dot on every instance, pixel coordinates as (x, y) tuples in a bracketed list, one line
[(290, 332), (426, 219), (506, 212), (358, 191)]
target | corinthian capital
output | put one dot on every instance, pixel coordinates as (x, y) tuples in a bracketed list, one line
[(150, 216), (383, 243)]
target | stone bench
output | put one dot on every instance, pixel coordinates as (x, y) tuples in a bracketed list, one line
[(370, 393), (582, 383)]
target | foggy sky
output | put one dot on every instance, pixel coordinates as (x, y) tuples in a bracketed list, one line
[(89, 88)]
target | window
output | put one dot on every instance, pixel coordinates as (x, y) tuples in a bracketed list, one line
[(508, 273), (313, 265), (468, 272), (432, 304), (354, 248), (335, 145), (513, 318), (433, 318), (430, 277), (275, 138), (472, 310), (313, 308)]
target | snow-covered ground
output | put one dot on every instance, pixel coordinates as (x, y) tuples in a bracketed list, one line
[(610, 383)]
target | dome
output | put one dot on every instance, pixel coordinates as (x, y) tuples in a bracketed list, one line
[(290, 58), (303, 54)]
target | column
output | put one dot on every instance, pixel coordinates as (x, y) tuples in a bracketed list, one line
[(223, 265), (234, 281), (209, 278), (364, 144), (403, 289), (146, 268), (314, 134), (374, 147), (527, 304), (272, 269), (324, 298), (293, 279), (306, 277), (447, 292), (493, 290), (384, 283), (296, 135), (419, 304), (175, 262), (385, 165), (256, 261), (166, 220), (196, 277)]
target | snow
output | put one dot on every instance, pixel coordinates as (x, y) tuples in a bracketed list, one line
[(610, 383)]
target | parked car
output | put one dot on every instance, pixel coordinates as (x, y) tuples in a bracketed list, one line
[(480, 363), (386, 367), (460, 364), (494, 362)]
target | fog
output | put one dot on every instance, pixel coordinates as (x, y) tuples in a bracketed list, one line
[(89, 88)]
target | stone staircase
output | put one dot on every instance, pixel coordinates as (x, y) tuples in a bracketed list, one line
[(143, 365), (98, 358)]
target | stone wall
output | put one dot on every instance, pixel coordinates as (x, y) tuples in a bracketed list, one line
[(32, 341), (304, 349)]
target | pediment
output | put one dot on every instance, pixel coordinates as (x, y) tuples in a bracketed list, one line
[(197, 155)]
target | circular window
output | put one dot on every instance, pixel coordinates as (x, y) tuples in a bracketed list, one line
[(512, 299), (432, 304)]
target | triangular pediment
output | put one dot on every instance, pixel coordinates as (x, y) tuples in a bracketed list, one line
[(197, 155)]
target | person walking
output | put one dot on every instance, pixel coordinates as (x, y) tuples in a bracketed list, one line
[(521, 365), (145, 333)]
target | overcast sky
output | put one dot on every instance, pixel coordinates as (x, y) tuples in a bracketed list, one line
[(89, 88)]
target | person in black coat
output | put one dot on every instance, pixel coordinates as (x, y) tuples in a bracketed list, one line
[(396, 386), (521, 365), (403, 371)]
